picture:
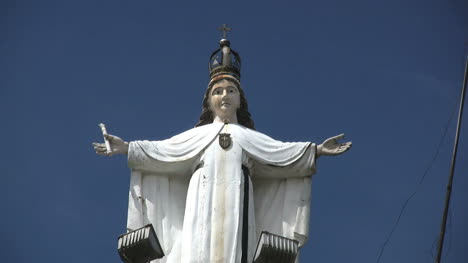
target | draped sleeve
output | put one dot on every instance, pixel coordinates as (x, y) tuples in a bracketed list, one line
[(171, 156), (160, 174), (281, 174)]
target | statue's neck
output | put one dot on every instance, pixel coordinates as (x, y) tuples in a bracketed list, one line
[(225, 119)]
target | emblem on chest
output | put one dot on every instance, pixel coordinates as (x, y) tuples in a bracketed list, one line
[(225, 140)]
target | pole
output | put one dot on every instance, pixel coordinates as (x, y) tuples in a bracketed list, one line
[(452, 168)]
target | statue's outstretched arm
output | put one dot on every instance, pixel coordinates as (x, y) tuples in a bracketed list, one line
[(117, 145), (331, 146)]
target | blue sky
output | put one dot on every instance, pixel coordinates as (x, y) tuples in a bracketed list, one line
[(388, 74)]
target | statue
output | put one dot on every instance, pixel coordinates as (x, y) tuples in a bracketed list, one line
[(210, 191)]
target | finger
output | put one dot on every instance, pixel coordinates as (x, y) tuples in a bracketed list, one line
[(109, 137), (100, 149), (100, 145), (345, 147), (101, 153), (339, 137)]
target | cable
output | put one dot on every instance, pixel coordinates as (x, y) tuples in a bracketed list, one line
[(421, 180), (449, 246)]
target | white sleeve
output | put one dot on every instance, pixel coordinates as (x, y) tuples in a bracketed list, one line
[(302, 167)]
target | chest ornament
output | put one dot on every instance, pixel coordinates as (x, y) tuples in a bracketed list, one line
[(225, 140)]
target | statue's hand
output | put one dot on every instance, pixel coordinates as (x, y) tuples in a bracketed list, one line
[(118, 146), (331, 146)]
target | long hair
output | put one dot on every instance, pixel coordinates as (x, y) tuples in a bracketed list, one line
[(243, 114)]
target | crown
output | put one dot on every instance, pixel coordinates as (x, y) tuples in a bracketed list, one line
[(225, 61)]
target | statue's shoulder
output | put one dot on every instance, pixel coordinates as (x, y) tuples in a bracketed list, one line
[(203, 130), (247, 132), (241, 128), (206, 128)]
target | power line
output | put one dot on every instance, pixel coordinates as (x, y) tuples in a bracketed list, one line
[(421, 180)]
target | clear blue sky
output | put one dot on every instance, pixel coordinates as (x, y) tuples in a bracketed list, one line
[(386, 73)]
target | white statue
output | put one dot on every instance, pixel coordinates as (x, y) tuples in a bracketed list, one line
[(210, 191), (197, 210)]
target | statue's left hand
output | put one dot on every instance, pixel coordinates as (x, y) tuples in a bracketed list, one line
[(331, 146)]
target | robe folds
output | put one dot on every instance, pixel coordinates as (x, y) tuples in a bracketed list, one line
[(194, 192)]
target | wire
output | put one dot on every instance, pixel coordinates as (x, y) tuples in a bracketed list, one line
[(421, 180), (449, 233)]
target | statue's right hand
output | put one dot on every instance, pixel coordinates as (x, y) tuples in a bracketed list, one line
[(118, 146)]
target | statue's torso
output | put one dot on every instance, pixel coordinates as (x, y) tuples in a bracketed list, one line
[(215, 202)]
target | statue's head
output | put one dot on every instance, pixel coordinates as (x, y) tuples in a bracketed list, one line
[(222, 95)]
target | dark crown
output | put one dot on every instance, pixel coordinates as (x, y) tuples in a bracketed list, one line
[(225, 61)]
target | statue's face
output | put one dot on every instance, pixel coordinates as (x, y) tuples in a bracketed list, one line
[(224, 98)]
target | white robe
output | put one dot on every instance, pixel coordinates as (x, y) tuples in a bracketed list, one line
[(198, 213)]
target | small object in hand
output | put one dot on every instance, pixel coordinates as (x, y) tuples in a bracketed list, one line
[(139, 246), (106, 141)]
